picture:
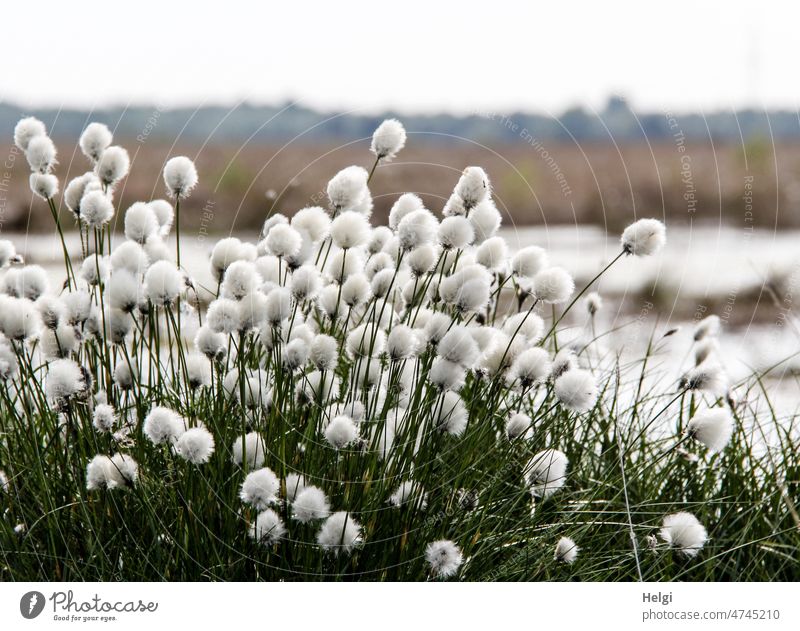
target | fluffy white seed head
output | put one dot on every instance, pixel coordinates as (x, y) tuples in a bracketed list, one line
[(323, 352), (529, 261), (378, 238), (388, 139), (594, 302), (241, 279), (129, 256), (225, 252), (165, 215), (684, 532), (45, 185), (712, 427), (260, 488), (644, 237), (417, 228), (517, 425), (96, 209), (268, 528), (314, 220), (485, 220), (406, 204), (350, 229), (195, 445), (180, 176), (32, 282), (223, 316), (305, 282), (492, 254), (455, 233), (355, 290), (283, 241), (531, 366), (706, 377), (547, 472), (344, 263), (340, 533), (341, 432), (140, 222), (64, 380), (707, 327), (347, 188), (278, 306), (41, 154), (576, 390), (451, 414), (210, 342), (566, 551), (198, 370), (443, 557), (27, 129), (249, 449), (553, 285), (162, 425), (310, 503), (94, 140), (113, 165), (402, 343), (458, 346), (163, 283), (473, 187), (19, 318), (447, 375)]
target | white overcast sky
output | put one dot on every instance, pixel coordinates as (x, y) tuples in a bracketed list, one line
[(411, 55)]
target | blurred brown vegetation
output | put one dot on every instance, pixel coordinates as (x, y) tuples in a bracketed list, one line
[(599, 183)]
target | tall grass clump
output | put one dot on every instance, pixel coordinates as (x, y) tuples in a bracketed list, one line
[(349, 401)]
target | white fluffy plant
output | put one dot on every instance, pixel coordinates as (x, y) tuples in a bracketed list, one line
[(388, 400)]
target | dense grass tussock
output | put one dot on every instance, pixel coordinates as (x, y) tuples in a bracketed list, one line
[(355, 402)]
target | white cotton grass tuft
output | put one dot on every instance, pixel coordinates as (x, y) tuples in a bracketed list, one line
[(140, 222), (644, 237), (473, 187), (594, 303), (180, 176), (41, 154), (518, 425), (708, 376), (492, 254), (347, 188), (577, 390), (165, 215), (103, 418), (455, 233), (314, 220), (283, 241), (223, 316), (64, 380), (529, 261), (162, 425), (267, 528), (112, 166), (417, 228), (531, 366), (707, 327), (341, 432), (19, 318), (451, 413), (260, 489), (684, 532), (566, 551), (713, 428), (309, 504), (553, 285), (443, 557), (340, 533), (198, 370), (44, 185), (117, 472), (350, 229), (388, 139), (163, 283), (250, 450), (195, 445), (96, 209), (295, 483), (94, 140), (546, 472), (409, 493), (27, 129)]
